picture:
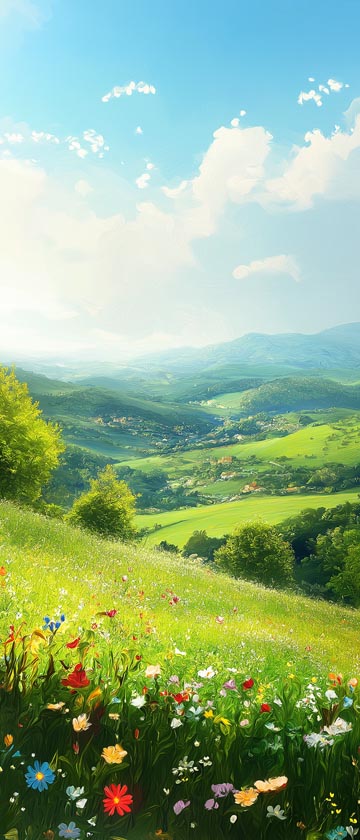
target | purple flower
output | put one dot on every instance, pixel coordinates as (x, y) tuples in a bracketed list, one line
[(180, 805), (223, 789), (210, 804), (230, 685), (174, 679)]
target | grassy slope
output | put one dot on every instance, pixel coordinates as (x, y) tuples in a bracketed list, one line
[(52, 568), (219, 519)]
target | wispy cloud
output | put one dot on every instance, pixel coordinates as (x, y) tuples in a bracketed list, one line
[(89, 141), (128, 90), (280, 264)]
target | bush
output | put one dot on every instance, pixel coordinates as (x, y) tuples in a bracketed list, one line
[(201, 544), (257, 552), (107, 508), (29, 446)]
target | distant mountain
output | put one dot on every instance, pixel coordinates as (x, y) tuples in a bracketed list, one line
[(338, 347)]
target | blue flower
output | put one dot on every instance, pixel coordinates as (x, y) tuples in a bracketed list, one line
[(69, 830), (62, 617), (347, 702), (337, 833), (39, 776)]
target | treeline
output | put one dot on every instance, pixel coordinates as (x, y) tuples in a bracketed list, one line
[(297, 393)]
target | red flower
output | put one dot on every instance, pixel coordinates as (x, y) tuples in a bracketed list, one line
[(136, 733), (181, 697), (111, 613), (248, 684), (117, 800), (265, 707), (74, 644), (77, 678)]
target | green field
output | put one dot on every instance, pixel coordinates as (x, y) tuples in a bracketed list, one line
[(219, 519)]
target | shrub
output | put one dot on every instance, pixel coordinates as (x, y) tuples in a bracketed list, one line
[(257, 552)]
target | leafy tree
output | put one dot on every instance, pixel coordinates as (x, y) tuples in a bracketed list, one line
[(107, 508), (29, 446), (201, 544), (164, 545), (256, 551), (336, 563)]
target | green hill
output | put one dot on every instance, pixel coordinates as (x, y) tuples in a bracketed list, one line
[(291, 393), (176, 526)]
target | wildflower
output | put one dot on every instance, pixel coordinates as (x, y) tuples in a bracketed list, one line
[(40, 776), (180, 806), (244, 722), (275, 812), (81, 723), (223, 789), (230, 685), (111, 613), (81, 803), (245, 798), (219, 619), (77, 678), (175, 723), (233, 819), (114, 716), (248, 684), (337, 833), (207, 673), (211, 805), (117, 800), (353, 683), (336, 679), (347, 702), (153, 671), (331, 695), (271, 785), (138, 701), (265, 708), (72, 645), (8, 740), (209, 713), (73, 792), (351, 830), (56, 707), (113, 755), (317, 739), (69, 830), (338, 728)]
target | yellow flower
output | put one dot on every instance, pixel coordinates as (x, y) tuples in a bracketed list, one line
[(153, 671), (314, 680), (114, 716), (209, 713), (93, 695), (246, 797), (81, 723), (8, 740), (223, 720), (291, 676), (113, 755), (55, 707)]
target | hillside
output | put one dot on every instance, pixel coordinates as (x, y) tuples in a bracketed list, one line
[(81, 575), (294, 393)]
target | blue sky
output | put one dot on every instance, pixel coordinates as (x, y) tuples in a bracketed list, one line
[(165, 215)]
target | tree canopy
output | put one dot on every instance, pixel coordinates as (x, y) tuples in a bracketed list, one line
[(29, 446), (257, 552), (107, 508)]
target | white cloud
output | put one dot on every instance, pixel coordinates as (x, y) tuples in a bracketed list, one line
[(90, 141), (235, 122), (143, 181), (324, 166), (173, 192), (335, 86), (83, 188), (138, 130), (128, 90), (308, 96), (242, 113), (280, 264)]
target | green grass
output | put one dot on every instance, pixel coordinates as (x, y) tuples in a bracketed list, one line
[(219, 519), (52, 567)]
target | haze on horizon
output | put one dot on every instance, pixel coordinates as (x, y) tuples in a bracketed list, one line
[(175, 179)]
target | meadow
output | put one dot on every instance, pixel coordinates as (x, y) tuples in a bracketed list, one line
[(176, 526), (147, 696)]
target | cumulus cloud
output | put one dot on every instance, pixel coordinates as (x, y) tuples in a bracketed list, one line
[(128, 90), (280, 264), (143, 181), (325, 166), (138, 130), (83, 188)]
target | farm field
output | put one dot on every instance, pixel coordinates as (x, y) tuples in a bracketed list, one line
[(219, 519)]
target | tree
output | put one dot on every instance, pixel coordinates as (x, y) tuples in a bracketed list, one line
[(201, 544), (107, 508), (29, 446), (256, 551), (336, 563)]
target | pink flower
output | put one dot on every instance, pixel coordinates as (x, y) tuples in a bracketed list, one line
[(180, 805), (219, 619)]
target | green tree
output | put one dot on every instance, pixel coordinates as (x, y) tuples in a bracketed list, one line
[(29, 446), (201, 544), (336, 563), (107, 508), (256, 551)]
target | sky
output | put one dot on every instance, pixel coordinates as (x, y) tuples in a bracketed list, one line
[(176, 174)]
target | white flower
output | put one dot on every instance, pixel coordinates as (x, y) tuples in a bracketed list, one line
[(338, 728), (138, 701), (233, 818), (317, 739), (207, 673), (81, 803), (351, 830), (179, 652), (175, 723), (275, 812), (331, 694)]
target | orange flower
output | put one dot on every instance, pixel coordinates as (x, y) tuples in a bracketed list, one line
[(245, 798), (8, 740), (271, 785), (353, 682), (336, 679), (3, 571), (113, 755)]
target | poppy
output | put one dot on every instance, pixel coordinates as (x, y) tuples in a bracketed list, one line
[(77, 678)]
